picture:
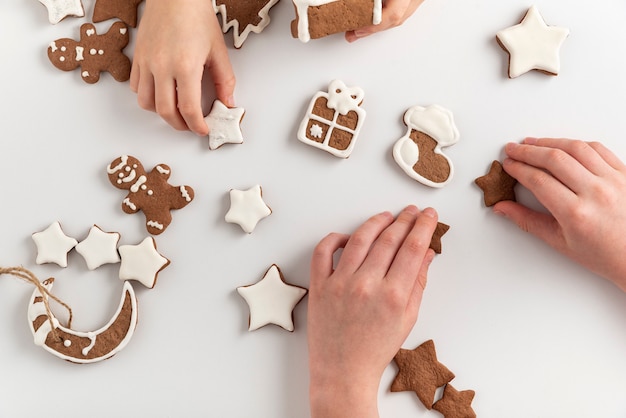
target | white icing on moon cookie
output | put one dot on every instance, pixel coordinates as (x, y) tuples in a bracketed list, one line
[(53, 245), (247, 208), (224, 125), (272, 300), (533, 45), (99, 248), (142, 262), (60, 9)]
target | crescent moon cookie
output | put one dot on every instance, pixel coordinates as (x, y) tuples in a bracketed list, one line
[(319, 18), (272, 300), (532, 45), (60, 9), (125, 10), (83, 347), (243, 17), (224, 125), (53, 245), (333, 119), (247, 208), (419, 152), (149, 192)]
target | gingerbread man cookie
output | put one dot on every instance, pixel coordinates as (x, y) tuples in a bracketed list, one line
[(93, 53), (148, 191)]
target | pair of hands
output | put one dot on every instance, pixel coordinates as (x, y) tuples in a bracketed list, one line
[(177, 42)]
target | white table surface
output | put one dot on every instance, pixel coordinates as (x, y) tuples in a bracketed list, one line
[(533, 334)]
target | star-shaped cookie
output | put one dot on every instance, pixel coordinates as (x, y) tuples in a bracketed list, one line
[(496, 185), (420, 371), (247, 208), (532, 45), (142, 262), (99, 248), (60, 9), (272, 300), (53, 245), (224, 125), (125, 10), (455, 404)]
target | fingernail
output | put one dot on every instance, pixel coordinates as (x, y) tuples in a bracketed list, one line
[(530, 141), (430, 212), (507, 162), (412, 209), (230, 101)]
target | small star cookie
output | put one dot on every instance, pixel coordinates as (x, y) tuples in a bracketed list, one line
[(247, 208), (125, 10), (532, 45), (224, 125), (60, 9), (455, 404), (99, 248), (142, 262), (53, 245), (272, 300), (497, 185)]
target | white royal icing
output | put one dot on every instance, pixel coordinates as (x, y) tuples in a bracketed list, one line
[(99, 248), (60, 9), (224, 125), (533, 45), (53, 245), (79, 53), (141, 262), (247, 208), (240, 36)]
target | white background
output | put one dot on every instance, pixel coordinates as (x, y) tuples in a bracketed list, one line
[(533, 334)]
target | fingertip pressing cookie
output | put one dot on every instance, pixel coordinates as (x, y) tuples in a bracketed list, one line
[(497, 185), (125, 10), (333, 119), (421, 372), (319, 18), (93, 53), (419, 152), (53, 245), (247, 208), (99, 248), (243, 17), (532, 45), (60, 9), (142, 262), (272, 300), (224, 125), (149, 192), (455, 404)]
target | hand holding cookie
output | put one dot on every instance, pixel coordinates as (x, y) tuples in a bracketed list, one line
[(583, 186), (176, 43), (394, 13), (362, 311)]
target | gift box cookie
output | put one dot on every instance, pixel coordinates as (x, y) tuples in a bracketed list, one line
[(333, 119)]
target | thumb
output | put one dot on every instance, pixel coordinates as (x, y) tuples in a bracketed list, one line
[(542, 225)]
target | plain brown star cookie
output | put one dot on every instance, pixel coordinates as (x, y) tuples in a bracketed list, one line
[(125, 10), (497, 185), (455, 404)]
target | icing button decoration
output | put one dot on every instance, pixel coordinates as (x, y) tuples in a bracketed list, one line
[(224, 125), (99, 248), (532, 45), (142, 262), (60, 9), (272, 300), (53, 245), (247, 208)]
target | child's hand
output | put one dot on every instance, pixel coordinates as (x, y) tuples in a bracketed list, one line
[(583, 186), (361, 312), (176, 42), (395, 13)]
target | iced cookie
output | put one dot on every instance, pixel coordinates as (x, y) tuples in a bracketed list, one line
[(125, 10), (99, 248), (272, 300), (333, 119), (247, 208), (243, 17), (224, 125), (319, 18), (53, 245), (149, 192), (532, 45), (419, 152), (142, 262), (60, 9), (93, 53)]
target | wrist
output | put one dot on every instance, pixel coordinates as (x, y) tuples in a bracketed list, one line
[(343, 398)]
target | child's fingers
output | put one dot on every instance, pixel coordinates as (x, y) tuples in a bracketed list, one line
[(322, 258), (222, 74), (165, 102), (145, 91), (189, 91), (607, 155)]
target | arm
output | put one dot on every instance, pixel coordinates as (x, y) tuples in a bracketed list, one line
[(362, 311), (395, 13), (176, 42), (583, 187)]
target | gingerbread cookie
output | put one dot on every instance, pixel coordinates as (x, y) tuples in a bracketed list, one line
[(333, 120), (149, 192), (532, 45), (224, 125), (271, 300), (435, 241), (319, 18), (125, 10), (419, 152), (497, 185), (247, 208), (93, 53), (243, 17), (455, 404), (53, 245), (60, 9), (421, 372)]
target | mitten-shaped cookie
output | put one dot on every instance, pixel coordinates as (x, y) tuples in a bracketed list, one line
[(149, 192), (93, 53)]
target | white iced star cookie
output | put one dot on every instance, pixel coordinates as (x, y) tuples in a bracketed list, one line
[(247, 208), (532, 45), (142, 262), (99, 248), (224, 125), (53, 245), (60, 9), (272, 300)]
